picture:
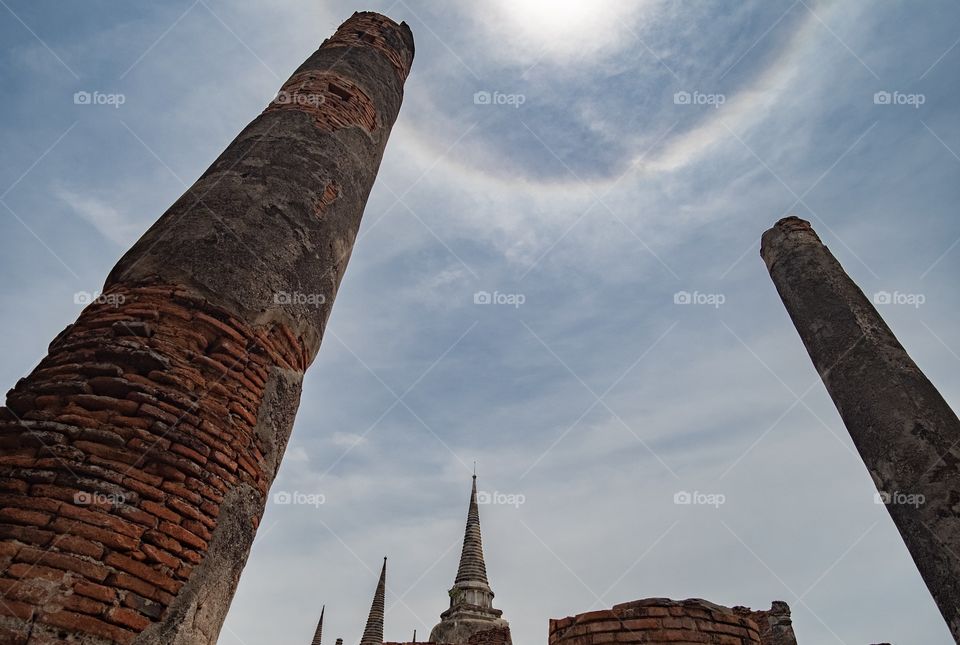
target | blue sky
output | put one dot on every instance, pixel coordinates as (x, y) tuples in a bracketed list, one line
[(588, 188)]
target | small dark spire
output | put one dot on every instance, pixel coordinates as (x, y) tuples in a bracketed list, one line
[(317, 634), (373, 633), (414, 636)]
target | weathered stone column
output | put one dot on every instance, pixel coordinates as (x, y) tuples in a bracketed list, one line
[(907, 435), (136, 458)]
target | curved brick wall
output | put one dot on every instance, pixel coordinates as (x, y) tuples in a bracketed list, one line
[(657, 621)]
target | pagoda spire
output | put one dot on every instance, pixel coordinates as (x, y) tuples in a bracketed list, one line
[(319, 632), (373, 633), (471, 608), (472, 567)]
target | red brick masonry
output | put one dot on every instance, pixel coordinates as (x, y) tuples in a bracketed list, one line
[(333, 100), (657, 621), (372, 30), (118, 450)]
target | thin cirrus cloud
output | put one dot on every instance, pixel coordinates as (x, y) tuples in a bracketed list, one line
[(103, 215)]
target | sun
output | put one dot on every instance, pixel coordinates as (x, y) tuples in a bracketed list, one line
[(552, 17), (564, 28)]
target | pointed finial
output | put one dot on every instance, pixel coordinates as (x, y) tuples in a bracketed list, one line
[(373, 633), (317, 634)]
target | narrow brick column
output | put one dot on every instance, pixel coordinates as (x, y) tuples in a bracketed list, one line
[(907, 435), (136, 458)]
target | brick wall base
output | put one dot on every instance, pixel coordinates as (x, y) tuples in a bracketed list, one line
[(657, 621)]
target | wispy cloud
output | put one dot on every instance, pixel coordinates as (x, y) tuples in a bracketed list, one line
[(103, 216)]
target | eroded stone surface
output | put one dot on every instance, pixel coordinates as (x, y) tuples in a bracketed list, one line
[(907, 435), (136, 458)]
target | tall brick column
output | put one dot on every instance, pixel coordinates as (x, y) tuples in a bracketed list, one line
[(907, 435), (136, 458)]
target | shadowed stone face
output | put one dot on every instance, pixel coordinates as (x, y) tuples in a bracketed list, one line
[(269, 227), (907, 435), (136, 458)]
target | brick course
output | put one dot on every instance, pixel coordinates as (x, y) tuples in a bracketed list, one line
[(333, 100), (372, 30), (112, 515), (657, 621)]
